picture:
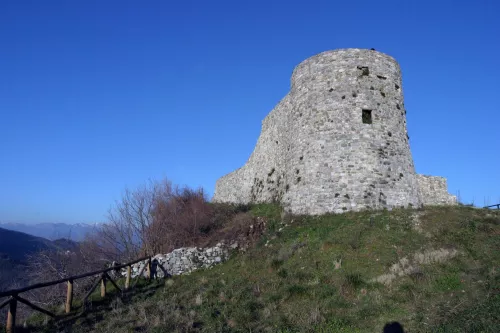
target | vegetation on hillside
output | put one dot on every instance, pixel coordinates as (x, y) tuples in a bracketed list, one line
[(158, 217), (319, 274), (15, 249), (154, 218)]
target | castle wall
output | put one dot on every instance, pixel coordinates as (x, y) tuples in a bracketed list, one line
[(315, 153), (262, 178), (434, 191)]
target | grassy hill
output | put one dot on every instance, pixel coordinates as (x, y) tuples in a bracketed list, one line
[(432, 270)]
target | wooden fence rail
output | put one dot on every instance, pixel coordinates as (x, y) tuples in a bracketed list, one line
[(102, 281)]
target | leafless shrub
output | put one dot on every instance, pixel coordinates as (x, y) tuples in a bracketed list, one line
[(47, 266), (125, 234), (51, 265), (155, 218), (159, 217), (185, 219)]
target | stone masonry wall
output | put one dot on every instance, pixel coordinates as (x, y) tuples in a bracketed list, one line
[(434, 191), (337, 141), (185, 260)]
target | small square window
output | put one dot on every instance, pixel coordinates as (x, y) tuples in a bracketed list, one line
[(366, 116)]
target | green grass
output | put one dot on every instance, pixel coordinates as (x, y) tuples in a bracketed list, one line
[(444, 283), (292, 284)]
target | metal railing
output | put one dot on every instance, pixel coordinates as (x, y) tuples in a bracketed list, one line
[(491, 206), (102, 280)]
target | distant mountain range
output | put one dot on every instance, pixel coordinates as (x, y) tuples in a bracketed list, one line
[(15, 246), (52, 231)]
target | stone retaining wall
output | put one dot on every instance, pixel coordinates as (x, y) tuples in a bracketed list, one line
[(185, 260)]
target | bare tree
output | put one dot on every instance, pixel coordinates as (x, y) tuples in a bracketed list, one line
[(50, 265), (154, 218)]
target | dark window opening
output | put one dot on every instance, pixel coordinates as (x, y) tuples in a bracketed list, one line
[(366, 116), (364, 70), (381, 77), (396, 86), (343, 97), (330, 90)]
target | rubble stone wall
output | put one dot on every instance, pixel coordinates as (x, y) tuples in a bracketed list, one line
[(184, 260), (434, 191)]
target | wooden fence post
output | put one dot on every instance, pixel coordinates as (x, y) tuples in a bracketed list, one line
[(127, 279), (148, 274), (103, 279), (103, 286), (69, 296), (11, 316)]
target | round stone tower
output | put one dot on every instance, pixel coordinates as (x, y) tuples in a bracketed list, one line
[(350, 145), (336, 142)]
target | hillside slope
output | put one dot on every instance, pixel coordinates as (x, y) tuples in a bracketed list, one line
[(432, 270), (15, 247)]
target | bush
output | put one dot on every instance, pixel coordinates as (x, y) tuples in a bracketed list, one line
[(159, 217)]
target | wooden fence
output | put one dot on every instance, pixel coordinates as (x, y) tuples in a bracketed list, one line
[(13, 295)]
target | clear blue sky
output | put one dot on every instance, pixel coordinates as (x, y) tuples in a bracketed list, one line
[(96, 96)]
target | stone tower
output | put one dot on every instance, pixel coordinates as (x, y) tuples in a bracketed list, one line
[(336, 142)]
